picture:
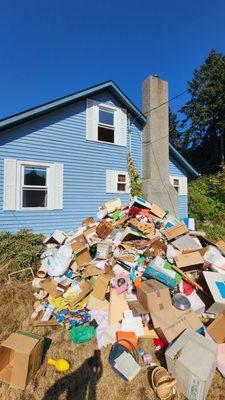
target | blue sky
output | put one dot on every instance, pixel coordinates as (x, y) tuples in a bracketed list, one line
[(53, 48)]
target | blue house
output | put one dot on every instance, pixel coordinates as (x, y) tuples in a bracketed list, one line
[(61, 160)]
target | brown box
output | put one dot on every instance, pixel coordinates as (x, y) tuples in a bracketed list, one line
[(82, 254), (177, 230), (20, 358), (153, 295), (104, 229), (157, 211), (170, 322), (217, 329), (189, 259), (91, 236), (50, 286)]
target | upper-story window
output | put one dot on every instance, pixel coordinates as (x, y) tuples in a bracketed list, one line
[(176, 184), (106, 128), (106, 123)]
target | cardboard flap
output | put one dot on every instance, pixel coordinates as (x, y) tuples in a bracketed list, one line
[(20, 343), (19, 370)]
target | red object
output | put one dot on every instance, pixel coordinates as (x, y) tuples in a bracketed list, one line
[(187, 288), (134, 210), (159, 342)]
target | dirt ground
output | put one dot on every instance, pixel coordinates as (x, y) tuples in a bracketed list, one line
[(90, 376)]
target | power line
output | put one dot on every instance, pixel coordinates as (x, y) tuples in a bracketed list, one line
[(160, 105)]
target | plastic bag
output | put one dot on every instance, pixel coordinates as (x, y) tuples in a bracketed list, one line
[(58, 264), (82, 334)]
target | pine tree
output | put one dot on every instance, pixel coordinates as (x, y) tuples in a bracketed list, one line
[(205, 111), (175, 136)]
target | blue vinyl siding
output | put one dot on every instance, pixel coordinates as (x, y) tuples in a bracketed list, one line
[(60, 136), (176, 169)]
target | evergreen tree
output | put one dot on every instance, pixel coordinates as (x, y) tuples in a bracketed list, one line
[(175, 137), (204, 121)]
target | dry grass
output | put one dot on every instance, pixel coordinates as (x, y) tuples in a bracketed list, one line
[(90, 377)]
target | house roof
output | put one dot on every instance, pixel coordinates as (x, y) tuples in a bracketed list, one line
[(110, 86)]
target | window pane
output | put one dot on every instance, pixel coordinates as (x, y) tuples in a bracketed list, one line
[(176, 182), (34, 198), (105, 134), (35, 176), (121, 187), (106, 117), (121, 178)]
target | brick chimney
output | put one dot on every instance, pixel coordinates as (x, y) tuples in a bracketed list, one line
[(155, 146)]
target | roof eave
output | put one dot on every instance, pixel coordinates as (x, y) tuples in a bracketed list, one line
[(192, 171)]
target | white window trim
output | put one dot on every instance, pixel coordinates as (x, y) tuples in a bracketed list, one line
[(183, 184), (19, 189), (95, 116), (106, 107), (109, 174)]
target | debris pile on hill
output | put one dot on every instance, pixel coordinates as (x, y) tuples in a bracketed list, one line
[(137, 272)]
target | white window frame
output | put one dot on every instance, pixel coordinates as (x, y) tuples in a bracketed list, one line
[(105, 107), (176, 186), (21, 186), (182, 186), (112, 180)]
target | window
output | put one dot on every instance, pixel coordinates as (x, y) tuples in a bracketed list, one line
[(106, 125), (180, 184), (121, 184), (176, 184), (117, 182), (34, 186)]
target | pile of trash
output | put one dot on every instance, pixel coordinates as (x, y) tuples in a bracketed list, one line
[(136, 272)]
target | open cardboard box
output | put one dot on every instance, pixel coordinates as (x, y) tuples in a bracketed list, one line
[(20, 358)]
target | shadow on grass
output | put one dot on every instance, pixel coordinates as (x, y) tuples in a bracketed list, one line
[(80, 384)]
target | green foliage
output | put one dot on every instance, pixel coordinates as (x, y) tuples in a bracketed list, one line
[(207, 204), (205, 111), (135, 179), (175, 136), (20, 250)]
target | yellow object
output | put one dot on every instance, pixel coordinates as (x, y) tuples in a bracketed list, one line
[(60, 365)]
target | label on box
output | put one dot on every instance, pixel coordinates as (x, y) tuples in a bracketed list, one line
[(221, 288), (195, 388)]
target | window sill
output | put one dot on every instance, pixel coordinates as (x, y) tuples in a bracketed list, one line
[(100, 141)]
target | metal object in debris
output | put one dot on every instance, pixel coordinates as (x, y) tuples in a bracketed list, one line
[(181, 302)]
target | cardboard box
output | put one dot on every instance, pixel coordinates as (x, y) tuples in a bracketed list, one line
[(50, 286), (82, 254), (20, 358), (153, 295), (171, 322), (157, 211), (91, 236), (216, 287), (174, 231), (217, 329), (83, 290), (55, 237), (117, 306), (191, 360), (189, 260), (104, 229)]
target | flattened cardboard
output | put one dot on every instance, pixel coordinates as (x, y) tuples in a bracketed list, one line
[(137, 307), (85, 289), (187, 243), (170, 322), (100, 286), (50, 286), (95, 304), (191, 360), (157, 211), (92, 270), (217, 329), (117, 306), (91, 236), (174, 231), (189, 260), (20, 358), (153, 295)]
